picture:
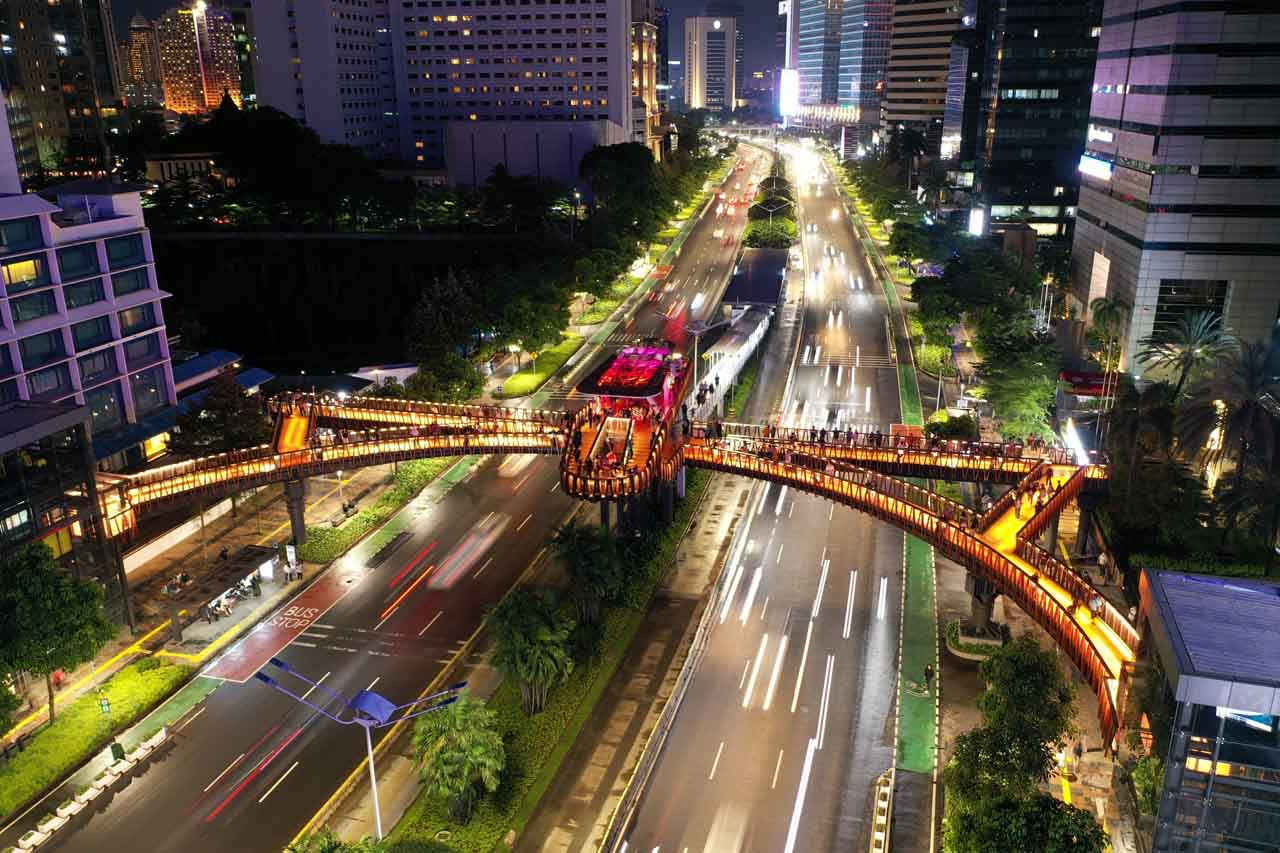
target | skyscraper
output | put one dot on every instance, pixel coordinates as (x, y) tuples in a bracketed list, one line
[(242, 24), (662, 17), (142, 85), (818, 49), (58, 67), (647, 112), (1180, 179), (198, 58), (461, 87), (919, 59), (864, 55), (733, 9), (710, 66)]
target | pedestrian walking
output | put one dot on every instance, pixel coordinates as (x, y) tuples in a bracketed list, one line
[(928, 675)]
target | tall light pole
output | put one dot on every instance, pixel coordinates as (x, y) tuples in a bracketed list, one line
[(573, 222), (369, 710)]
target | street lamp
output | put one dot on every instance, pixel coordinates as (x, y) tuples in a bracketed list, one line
[(573, 222), (369, 710), (342, 495)]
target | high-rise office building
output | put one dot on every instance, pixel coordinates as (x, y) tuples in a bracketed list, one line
[(864, 55), (142, 84), (733, 9), (710, 64), (1180, 180), (1018, 106), (818, 49), (646, 111), (915, 90), (662, 16), (242, 27), (198, 60), (456, 86), (58, 65)]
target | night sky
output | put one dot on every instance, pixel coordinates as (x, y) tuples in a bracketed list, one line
[(761, 19)]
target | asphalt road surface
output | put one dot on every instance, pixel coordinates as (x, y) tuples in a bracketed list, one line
[(253, 767), (788, 720)]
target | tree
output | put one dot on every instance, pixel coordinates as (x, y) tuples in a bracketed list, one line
[(9, 704), (1020, 376), (992, 762), (1027, 695), (1142, 422), (1164, 510), (1108, 317), (48, 620), (1039, 823), (1231, 414), (594, 566), (934, 183), (228, 418), (1196, 341), (450, 378), (532, 644), (460, 751)]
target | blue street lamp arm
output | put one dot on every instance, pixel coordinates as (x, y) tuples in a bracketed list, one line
[(280, 688)]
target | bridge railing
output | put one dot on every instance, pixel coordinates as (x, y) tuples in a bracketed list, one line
[(593, 483), (1005, 502), (388, 404), (956, 540)]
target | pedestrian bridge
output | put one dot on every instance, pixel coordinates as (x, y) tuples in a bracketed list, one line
[(316, 436)]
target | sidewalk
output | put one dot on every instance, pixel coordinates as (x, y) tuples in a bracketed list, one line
[(261, 520)]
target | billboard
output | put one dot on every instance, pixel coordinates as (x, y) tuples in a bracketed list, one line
[(789, 92)]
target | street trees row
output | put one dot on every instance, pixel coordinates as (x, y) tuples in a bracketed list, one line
[(994, 778)]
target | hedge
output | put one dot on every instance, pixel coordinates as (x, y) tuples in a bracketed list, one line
[(81, 729), (1203, 564), (325, 544), (954, 641)]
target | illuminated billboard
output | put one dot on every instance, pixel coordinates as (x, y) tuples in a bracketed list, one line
[(789, 92), (1095, 168), (977, 219)]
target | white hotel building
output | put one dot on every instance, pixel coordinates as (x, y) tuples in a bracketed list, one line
[(458, 85)]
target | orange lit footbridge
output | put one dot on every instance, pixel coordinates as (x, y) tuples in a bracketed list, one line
[(626, 453)]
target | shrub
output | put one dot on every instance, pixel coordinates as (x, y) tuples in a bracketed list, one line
[(1148, 780), (81, 729), (1204, 564)]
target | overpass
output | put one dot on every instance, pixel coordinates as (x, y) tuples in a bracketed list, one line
[(319, 435)]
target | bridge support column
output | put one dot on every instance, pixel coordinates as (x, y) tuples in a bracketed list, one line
[(981, 603), (1049, 539), (1084, 534), (295, 498), (680, 484), (668, 502), (604, 514)]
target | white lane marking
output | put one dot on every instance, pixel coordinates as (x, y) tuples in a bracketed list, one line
[(746, 666), (853, 381), (822, 582), (714, 765), (825, 704), (857, 355), (804, 359), (755, 671), (800, 792), (751, 594), (731, 593), (831, 512), (238, 759), (791, 511), (778, 558), (773, 676), (429, 624), (482, 568), (884, 587), (765, 608), (300, 643), (826, 376), (867, 403), (782, 496), (556, 486), (375, 681), (190, 721), (804, 657), (817, 354), (839, 374), (848, 604), (384, 619), (283, 776), (776, 767), (523, 523), (314, 686)]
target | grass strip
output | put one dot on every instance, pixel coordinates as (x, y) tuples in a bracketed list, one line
[(81, 729), (550, 360), (325, 544)]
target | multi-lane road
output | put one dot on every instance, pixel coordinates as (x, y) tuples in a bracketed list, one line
[(788, 720), (250, 767)]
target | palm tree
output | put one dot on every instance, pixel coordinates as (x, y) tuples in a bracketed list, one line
[(1141, 422), (1108, 316), (934, 184), (591, 558), (460, 751), (1197, 340), (1234, 413), (532, 644)]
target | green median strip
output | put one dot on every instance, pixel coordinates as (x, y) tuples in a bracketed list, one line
[(909, 391)]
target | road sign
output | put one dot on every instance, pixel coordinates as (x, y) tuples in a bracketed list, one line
[(104, 704)]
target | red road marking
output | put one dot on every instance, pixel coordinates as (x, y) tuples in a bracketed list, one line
[(246, 657), (254, 775), (424, 552)]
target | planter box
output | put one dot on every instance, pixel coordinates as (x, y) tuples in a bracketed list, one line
[(70, 808), (52, 823), (121, 767), (31, 840), (88, 795), (156, 739)]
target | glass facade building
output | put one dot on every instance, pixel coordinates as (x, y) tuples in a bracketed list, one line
[(864, 54), (818, 49)]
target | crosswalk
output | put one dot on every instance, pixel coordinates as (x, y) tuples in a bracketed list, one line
[(868, 361)]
